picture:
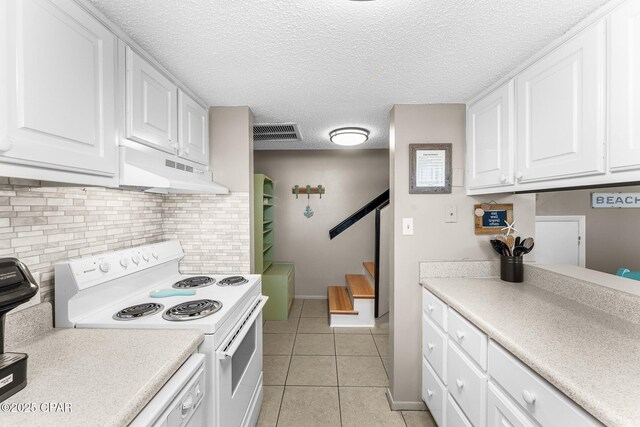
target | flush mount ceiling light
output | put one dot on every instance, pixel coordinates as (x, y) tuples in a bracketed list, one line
[(349, 136)]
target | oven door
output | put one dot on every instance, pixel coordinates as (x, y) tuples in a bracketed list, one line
[(239, 365)]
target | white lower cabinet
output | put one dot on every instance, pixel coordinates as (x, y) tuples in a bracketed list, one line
[(539, 399), (467, 385), (434, 393), (483, 384), (455, 416), (502, 412)]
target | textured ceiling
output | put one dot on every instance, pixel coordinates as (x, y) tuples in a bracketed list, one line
[(329, 63)]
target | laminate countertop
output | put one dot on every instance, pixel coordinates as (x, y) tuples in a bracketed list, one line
[(590, 355), (95, 377)]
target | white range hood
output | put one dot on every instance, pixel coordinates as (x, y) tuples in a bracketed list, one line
[(153, 171)]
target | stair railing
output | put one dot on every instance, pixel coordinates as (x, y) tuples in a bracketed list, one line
[(359, 214), (376, 259)]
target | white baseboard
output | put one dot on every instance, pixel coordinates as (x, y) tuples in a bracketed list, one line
[(310, 296), (404, 406)]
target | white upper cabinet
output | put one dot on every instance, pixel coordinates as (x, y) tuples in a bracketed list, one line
[(490, 139), (58, 83), (624, 45), (560, 110), (193, 129), (151, 105)]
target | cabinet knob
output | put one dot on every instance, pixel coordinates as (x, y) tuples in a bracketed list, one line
[(429, 392), (503, 178), (459, 383), (460, 334), (519, 175), (430, 308), (528, 397), (430, 346)]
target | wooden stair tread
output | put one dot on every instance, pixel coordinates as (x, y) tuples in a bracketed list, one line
[(371, 268), (359, 286), (339, 301)]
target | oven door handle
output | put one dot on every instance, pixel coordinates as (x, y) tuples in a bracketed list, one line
[(229, 348)]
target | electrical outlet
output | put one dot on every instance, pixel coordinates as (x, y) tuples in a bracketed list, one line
[(451, 214), (407, 226)]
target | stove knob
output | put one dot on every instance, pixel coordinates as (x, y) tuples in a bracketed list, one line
[(135, 259), (124, 262), (155, 254), (145, 257), (105, 267)]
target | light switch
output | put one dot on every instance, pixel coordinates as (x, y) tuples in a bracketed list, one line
[(451, 214), (407, 226)]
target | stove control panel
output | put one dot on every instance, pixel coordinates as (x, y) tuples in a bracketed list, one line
[(94, 270)]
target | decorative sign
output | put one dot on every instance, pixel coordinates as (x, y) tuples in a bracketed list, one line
[(615, 200), (491, 219), (429, 168)]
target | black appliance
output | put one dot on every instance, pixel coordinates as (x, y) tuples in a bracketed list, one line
[(16, 287)]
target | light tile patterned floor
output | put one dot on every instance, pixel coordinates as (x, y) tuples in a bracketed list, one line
[(317, 376)]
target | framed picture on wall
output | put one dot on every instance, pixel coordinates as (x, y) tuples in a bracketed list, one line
[(429, 168)]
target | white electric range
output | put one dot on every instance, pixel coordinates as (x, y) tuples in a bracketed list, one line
[(114, 290)]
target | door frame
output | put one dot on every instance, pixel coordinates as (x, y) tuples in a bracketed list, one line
[(582, 231)]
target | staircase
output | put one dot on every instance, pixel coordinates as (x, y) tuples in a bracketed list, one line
[(353, 305)]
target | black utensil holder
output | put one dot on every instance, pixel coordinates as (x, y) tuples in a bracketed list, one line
[(511, 269)]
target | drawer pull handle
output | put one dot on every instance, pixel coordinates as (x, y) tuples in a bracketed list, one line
[(429, 393), (459, 383), (460, 334), (430, 346), (430, 308), (529, 397)]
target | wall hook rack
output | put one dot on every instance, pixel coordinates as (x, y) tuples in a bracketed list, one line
[(308, 190)]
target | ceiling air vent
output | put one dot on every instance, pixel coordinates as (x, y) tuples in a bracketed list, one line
[(287, 132)]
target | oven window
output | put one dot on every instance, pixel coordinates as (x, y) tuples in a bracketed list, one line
[(242, 357)]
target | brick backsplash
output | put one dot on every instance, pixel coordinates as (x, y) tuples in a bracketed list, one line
[(42, 225), (214, 231)]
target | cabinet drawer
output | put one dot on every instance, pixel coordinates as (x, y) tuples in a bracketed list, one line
[(435, 309), (503, 412), (468, 337), (455, 416), (540, 400), (434, 393), (434, 347), (467, 385)]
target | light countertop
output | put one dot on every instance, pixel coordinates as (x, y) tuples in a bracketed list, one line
[(107, 375), (588, 354)]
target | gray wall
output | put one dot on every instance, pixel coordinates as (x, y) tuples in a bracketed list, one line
[(612, 235), (433, 239), (352, 178)]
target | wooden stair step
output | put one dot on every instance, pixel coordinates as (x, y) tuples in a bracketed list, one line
[(339, 301), (371, 268), (359, 286)]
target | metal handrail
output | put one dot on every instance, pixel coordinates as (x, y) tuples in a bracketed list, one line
[(359, 214)]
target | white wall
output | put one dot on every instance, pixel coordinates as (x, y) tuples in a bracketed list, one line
[(433, 239)]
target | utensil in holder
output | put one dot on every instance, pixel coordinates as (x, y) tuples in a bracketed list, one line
[(511, 268)]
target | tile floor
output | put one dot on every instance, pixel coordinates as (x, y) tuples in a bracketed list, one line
[(317, 376)]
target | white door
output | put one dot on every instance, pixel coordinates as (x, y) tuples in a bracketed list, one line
[(624, 83), (560, 240), (490, 139), (193, 129), (59, 84), (560, 110), (152, 106)]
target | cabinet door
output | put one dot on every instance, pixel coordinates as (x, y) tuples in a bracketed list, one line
[(502, 412), (625, 87), (193, 129), (490, 139), (152, 107), (59, 70), (560, 110)]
